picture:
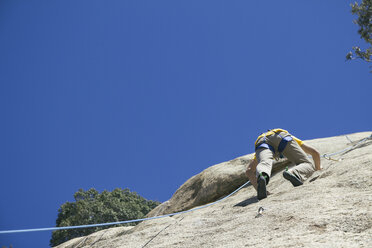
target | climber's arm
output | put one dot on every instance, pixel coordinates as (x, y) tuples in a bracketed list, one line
[(314, 153)]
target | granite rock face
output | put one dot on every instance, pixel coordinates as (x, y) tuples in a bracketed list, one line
[(332, 209), (208, 186)]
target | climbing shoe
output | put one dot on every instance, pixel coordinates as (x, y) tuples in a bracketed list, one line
[(261, 188), (292, 178)]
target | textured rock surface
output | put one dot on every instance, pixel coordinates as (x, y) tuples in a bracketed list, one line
[(332, 209), (210, 185)]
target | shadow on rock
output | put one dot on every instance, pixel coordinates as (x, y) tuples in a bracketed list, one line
[(247, 202)]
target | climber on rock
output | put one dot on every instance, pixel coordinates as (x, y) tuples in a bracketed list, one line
[(274, 144)]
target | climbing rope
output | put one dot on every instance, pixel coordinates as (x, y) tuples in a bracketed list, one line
[(326, 156), (123, 222), (349, 148)]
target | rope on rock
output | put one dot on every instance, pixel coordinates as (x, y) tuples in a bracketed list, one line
[(326, 156), (349, 148), (123, 222)]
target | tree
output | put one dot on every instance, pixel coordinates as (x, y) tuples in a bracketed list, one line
[(91, 207), (364, 21)]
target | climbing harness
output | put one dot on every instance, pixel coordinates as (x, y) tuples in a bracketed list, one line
[(282, 144), (265, 145)]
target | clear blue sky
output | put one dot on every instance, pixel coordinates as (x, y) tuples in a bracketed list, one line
[(145, 94)]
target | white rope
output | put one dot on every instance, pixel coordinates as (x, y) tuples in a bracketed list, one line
[(329, 155), (122, 222)]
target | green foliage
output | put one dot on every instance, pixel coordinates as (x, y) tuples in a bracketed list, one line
[(91, 207), (364, 21)]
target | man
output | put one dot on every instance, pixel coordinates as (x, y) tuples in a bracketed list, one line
[(272, 144)]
